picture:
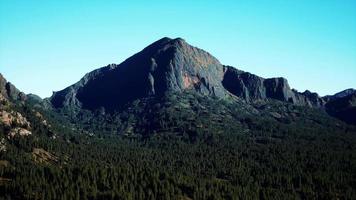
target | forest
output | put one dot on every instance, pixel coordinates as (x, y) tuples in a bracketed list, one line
[(207, 150)]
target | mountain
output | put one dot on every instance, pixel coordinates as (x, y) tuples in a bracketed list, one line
[(341, 94), (23, 115), (172, 122), (342, 105), (172, 65), (9, 91), (164, 66), (12, 122), (252, 87)]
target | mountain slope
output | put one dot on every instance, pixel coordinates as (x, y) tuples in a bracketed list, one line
[(343, 106), (166, 65), (194, 129), (172, 65), (25, 116), (252, 87), (9, 91), (341, 94), (185, 144)]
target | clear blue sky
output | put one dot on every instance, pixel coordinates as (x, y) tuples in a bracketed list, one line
[(48, 45)]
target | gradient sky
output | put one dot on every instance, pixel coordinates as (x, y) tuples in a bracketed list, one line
[(48, 45)]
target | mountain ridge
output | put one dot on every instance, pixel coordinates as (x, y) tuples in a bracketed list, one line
[(176, 135), (173, 65), (9, 91)]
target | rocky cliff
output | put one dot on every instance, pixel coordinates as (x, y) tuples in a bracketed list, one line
[(164, 66), (252, 87), (173, 65), (9, 91)]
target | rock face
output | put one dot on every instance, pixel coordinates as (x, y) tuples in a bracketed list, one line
[(9, 91), (243, 84), (173, 65), (13, 118), (166, 65), (15, 122), (18, 131), (20, 114), (252, 87)]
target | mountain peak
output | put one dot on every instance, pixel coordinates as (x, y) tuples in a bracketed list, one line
[(163, 66), (179, 41), (164, 43), (173, 65), (172, 40)]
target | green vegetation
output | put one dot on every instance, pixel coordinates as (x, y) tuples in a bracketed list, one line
[(183, 147)]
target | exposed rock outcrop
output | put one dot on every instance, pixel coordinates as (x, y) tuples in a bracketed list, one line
[(243, 84), (13, 121), (18, 131), (166, 65), (172, 65), (9, 91), (42, 156), (16, 123), (13, 118), (252, 87), (3, 147)]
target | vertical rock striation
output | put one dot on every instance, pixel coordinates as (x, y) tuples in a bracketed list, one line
[(172, 65)]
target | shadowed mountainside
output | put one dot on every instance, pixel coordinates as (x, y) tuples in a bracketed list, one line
[(172, 65), (171, 122)]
